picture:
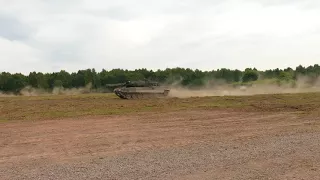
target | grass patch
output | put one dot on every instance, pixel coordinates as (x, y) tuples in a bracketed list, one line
[(62, 106), (3, 120)]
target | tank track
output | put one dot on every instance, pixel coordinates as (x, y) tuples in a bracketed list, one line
[(140, 95)]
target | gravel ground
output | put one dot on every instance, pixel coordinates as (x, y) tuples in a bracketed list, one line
[(180, 145)]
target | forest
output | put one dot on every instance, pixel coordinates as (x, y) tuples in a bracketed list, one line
[(14, 83)]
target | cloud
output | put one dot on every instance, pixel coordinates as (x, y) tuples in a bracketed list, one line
[(19, 57), (298, 3), (73, 35), (13, 29)]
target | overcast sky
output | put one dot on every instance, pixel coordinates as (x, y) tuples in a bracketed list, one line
[(47, 36)]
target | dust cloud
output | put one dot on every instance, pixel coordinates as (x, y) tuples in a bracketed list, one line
[(301, 85), (6, 94), (30, 91)]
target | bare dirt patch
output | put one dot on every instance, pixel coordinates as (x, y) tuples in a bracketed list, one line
[(184, 144)]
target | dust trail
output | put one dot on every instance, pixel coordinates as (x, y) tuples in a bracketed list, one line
[(212, 88), (30, 91), (6, 94), (301, 85)]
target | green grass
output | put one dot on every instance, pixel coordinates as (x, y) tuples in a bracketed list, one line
[(63, 106)]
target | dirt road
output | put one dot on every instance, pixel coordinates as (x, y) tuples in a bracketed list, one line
[(177, 145)]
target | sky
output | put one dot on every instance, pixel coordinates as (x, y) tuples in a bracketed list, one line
[(49, 36)]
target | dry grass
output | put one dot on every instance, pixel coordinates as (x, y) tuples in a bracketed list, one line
[(62, 106)]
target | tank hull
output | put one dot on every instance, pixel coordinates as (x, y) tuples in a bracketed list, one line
[(141, 93)]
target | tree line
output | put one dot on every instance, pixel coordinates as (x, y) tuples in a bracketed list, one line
[(13, 83)]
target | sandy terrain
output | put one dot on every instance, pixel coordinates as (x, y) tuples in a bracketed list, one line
[(177, 145)]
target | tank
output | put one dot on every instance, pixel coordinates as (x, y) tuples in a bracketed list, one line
[(139, 90)]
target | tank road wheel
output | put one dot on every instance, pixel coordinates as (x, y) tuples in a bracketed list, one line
[(127, 96), (135, 96)]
